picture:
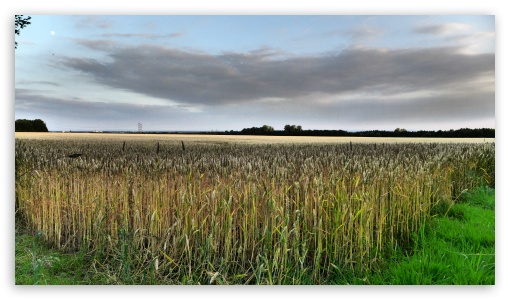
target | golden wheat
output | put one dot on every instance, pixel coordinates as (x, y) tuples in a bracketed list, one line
[(241, 213)]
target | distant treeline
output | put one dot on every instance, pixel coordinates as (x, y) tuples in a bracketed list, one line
[(24, 125), (293, 130)]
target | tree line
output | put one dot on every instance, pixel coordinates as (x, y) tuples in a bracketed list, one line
[(38, 125), (297, 130), (24, 125)]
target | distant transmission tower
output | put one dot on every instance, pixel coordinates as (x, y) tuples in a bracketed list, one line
[(139, 127)]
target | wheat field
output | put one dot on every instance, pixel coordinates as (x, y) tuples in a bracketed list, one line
[(239, 209), (240, 139)]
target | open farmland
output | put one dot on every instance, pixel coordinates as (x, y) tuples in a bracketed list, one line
[(241, 139), (239, 210)]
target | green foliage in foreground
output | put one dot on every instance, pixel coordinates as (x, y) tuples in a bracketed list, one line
[(38, 264), (457, 246)]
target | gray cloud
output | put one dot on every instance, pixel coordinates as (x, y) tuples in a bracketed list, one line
[(357, 35), (356, 88), (201, 78), (81, 114), (94, 21), (363, 33), (101, 45), (144, 35), (43, 82), (468, 107), (437, 29)]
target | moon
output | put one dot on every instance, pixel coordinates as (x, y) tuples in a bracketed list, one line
[(52, 32)]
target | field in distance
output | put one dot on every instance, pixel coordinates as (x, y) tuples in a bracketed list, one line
[(245, 139)]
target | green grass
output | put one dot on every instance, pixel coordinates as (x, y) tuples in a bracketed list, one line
[(38, 264), (457, 246), (454, 248)]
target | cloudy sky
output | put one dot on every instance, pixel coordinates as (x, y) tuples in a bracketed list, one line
[(216, 73)]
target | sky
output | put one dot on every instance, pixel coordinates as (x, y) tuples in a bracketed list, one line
[(229, 72), (43, 79)]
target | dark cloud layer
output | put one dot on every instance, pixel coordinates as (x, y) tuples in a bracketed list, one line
[(201, 78), (82, 114), (371, 113), (354, 88)]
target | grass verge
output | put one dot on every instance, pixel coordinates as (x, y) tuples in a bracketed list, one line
[(456, 247)]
